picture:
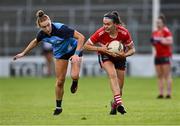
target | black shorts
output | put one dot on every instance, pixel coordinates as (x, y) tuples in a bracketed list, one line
[(67, 56), (162, 60), (118, 63)]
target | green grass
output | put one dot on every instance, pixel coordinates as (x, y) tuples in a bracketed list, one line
[(29, 101)]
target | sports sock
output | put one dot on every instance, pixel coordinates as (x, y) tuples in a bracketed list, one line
[(58, 104), (117, 100), (113, 105)]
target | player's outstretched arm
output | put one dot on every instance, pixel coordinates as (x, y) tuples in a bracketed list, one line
[(80, 37), (31, 45)]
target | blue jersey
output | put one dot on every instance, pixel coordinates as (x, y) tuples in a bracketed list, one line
[(61, 38)]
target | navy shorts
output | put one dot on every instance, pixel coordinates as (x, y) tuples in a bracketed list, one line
[(118, 63), (67, 56), (162, 60)]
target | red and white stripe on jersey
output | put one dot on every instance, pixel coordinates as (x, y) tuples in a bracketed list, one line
[(102, 37)]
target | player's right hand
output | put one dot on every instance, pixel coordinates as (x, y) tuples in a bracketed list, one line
[(104, 49), (18, 56)]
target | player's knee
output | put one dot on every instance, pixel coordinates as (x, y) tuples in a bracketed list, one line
[(167, 76), (75, 76), (60, 83), (112, 75), (160, 76)]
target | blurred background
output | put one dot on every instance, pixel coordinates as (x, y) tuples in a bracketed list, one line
[(17, 23)]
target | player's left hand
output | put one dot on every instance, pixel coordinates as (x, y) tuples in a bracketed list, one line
[(20, 55), (75, 59)]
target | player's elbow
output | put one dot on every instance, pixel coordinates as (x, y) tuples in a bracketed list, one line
[(133, 51), (87, 46), (34, 43), (170, 41), (81, 36)]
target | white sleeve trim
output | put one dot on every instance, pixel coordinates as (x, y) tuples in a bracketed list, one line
[(90, 41)]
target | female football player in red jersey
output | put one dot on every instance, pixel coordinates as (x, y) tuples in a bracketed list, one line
[(162, 41), (113, 63)]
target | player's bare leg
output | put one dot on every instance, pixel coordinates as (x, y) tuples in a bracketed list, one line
[(160, 78), (109, 68), (75, 71), (61, 70), (120, 75), (168, 79)]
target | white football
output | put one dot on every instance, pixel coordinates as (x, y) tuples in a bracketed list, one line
[(115, 46)]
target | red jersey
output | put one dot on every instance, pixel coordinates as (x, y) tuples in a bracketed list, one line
[(102, 37), (161, 49)]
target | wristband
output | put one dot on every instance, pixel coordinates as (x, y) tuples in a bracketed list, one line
[(77, 52)]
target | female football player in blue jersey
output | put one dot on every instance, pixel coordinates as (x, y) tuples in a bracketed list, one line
[(67, 45)]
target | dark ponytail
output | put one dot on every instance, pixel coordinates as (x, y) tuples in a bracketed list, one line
[(114, 15), (163, 18), (117, 21)]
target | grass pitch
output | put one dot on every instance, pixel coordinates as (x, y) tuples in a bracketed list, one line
[(30, 101)]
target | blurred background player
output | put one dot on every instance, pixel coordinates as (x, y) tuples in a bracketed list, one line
[(67, 44), (113, 63), (47, 51), (162, 41)]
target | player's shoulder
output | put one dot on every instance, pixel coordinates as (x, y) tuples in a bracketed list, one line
[(166, 29), (100, 31), (58, 25), (40, 33), (122, 30), (155, 32)]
